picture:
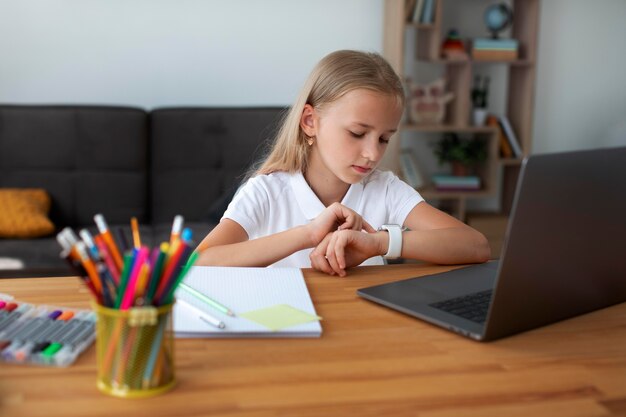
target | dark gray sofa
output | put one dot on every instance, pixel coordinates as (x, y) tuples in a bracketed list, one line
[(124, 162)]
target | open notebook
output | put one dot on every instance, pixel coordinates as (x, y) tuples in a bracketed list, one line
[(276, 297)]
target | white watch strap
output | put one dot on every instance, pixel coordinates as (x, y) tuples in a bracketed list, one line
[(395, 241)]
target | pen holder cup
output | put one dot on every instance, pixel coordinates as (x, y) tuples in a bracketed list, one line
[(135, 350)]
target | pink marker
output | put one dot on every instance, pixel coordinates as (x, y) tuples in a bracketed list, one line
[(129, 293)]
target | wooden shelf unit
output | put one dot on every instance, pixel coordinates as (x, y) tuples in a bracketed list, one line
[(459, 75)]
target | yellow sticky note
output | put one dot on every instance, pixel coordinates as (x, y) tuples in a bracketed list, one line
[(279, 316)]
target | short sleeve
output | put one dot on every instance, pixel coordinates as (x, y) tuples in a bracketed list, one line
[(401, 199), (249, 207)]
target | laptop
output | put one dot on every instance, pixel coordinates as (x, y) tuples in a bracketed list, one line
[(564, 254)]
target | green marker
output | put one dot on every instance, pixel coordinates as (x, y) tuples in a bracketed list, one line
[(128, 263), (206, 299), (170, 295), (51, 350), (156, 272)]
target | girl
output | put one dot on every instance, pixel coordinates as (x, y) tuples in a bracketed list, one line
[(318, 200)]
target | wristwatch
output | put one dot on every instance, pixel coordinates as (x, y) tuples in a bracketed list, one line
[(395, 240)]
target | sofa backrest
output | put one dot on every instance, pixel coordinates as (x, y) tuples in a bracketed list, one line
[(200, 154), (90, 159)]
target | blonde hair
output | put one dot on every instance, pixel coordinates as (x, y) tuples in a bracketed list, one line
[(335, 75)]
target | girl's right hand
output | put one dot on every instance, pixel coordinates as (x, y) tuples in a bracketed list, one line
[(336, 217)]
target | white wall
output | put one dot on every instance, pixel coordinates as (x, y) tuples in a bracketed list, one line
[(580, 99), (152, 53)]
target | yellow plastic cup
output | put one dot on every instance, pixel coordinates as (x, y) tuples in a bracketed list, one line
[(135, 351)]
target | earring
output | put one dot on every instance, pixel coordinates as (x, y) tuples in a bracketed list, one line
[(310, 141)]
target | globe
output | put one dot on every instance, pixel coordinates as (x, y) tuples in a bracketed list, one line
[(498, 17)]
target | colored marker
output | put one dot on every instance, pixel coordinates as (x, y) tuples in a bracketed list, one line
[(121, 237), (156, 272), (177, 226), (142, 255), (103, 228), (134, 226), (206, 299), (106, 256), (205, 317)]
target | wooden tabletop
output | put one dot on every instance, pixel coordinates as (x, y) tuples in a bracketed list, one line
[(370, 361)]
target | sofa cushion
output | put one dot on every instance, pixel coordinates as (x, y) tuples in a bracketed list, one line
[(199, 154), (24, 213), (89, 159), (39, 254)]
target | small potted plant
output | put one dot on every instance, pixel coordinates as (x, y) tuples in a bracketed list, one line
[(463, 154)]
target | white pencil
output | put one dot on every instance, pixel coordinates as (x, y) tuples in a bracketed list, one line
[(205, 317)]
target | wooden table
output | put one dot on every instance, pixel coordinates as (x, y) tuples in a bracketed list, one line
[(370, 361)]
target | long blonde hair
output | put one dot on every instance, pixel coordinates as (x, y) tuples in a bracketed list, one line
[(335, 75)]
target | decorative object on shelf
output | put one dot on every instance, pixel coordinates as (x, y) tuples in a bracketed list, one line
[(480, 99), (428, 102), (410, 170), (464, 154), (497, 18), (453, 47)]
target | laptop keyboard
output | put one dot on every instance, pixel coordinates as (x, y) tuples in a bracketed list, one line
[(472, 307)]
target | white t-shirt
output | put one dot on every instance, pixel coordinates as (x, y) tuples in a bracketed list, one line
[(268, 204)]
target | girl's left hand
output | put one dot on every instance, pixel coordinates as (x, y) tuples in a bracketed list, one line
[(344, 249)]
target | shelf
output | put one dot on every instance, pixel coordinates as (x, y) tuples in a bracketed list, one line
[(430, 192), (448, 128), (510, 161), (444, 61), (499, 174), (515, 63), (422, 26)]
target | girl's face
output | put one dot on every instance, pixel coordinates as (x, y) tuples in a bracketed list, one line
[(350, 134)]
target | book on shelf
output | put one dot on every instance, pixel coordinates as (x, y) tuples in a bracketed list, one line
[(503, 44), (428, 12), (510, 136), (505, 147), (493, 55), (413, 11), (417, 12), (409, 7), (456, 183), (495, 49)]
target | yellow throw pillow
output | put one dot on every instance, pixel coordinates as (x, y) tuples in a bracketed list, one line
[(24, 213)]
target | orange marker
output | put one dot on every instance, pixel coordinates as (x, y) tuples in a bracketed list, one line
[(89, 266), (108, 259), (66, 315), (103, 228), (134, 226), (142, 280)]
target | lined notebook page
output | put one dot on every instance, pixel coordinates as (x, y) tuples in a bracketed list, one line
[(243, 290)]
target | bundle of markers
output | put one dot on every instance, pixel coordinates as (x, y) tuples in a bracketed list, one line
[(136, 277), (43, 335), (134, 291)]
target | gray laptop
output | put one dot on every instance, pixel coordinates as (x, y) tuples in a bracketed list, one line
[(564, 254)]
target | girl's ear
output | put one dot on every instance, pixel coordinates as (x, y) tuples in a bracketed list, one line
[(307, 120)]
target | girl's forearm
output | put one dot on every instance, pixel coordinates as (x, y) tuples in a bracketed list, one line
[(259, 252), (457, 245)]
